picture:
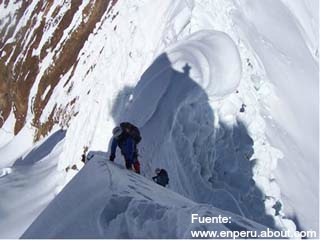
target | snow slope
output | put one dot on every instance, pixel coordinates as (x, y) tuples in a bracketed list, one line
[(287, 51), (106, 201), (179, 116), (29, 185), (224, 91)]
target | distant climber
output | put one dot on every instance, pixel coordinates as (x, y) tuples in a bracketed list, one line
[(84, 155), (126, 137), (161, 177), (243, 108)]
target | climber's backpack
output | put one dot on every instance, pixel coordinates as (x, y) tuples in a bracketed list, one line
[(163, 177), (131, 130)]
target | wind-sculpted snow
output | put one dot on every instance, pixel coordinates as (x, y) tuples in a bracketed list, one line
[(214, 60), (225, 94), (288, 50), (207, 163), (106, 201), (210, 58)]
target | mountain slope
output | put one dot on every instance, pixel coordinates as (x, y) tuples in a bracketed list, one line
[(29, 185), (106, 201), (40, 42), (282, 40), (223, 91)]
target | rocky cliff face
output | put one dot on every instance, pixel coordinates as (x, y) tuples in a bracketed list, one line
[(39, 43)]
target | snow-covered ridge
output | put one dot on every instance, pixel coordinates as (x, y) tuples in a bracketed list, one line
[(222, 91), (106, 201), (197, 140)]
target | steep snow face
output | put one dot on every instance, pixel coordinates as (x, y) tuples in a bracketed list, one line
[(106, 201), (29, 184), (287, 48), (194, 141), (196, 61), (213, 59), (9, 150), (212, 84)]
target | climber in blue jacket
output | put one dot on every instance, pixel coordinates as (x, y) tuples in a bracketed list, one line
[(128, 149)]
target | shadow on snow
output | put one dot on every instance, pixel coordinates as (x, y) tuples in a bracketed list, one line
[(41, 151), (205, 163)]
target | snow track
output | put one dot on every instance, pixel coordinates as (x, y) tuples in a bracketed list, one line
[(226, 96), (94, 206), (178, 125)]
